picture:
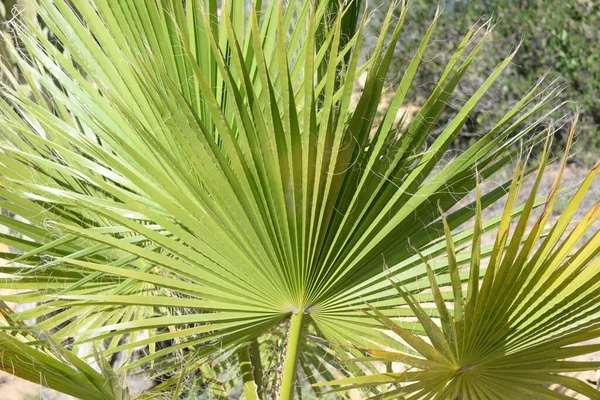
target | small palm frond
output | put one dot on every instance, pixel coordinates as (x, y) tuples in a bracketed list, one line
[(511, 334), (49, 364)]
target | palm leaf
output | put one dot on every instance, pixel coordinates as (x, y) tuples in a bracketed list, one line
[(193, 177), (522, 324), (51, 365)]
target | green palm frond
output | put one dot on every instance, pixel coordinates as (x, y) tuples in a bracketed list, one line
[(190, 175), (49, 364), (512, 334)]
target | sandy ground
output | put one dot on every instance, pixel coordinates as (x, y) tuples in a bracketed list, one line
[(13, 388)]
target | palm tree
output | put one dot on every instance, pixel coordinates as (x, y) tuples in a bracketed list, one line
[(196, 183)]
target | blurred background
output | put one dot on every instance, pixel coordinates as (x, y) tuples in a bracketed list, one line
[(559, 38)]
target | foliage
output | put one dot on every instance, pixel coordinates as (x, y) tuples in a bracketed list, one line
[(559, 38), (194, 180), (51, 365), (511, 335)]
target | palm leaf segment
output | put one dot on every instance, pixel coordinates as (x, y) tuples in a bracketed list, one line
[(54, 366), (193, 175), (512, 334)]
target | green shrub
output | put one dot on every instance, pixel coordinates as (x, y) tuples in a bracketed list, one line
[(559, 38)]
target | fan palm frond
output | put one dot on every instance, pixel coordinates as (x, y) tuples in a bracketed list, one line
[(191, 176), (516, 331)]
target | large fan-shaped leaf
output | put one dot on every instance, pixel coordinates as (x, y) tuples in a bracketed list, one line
[(192, 174)]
